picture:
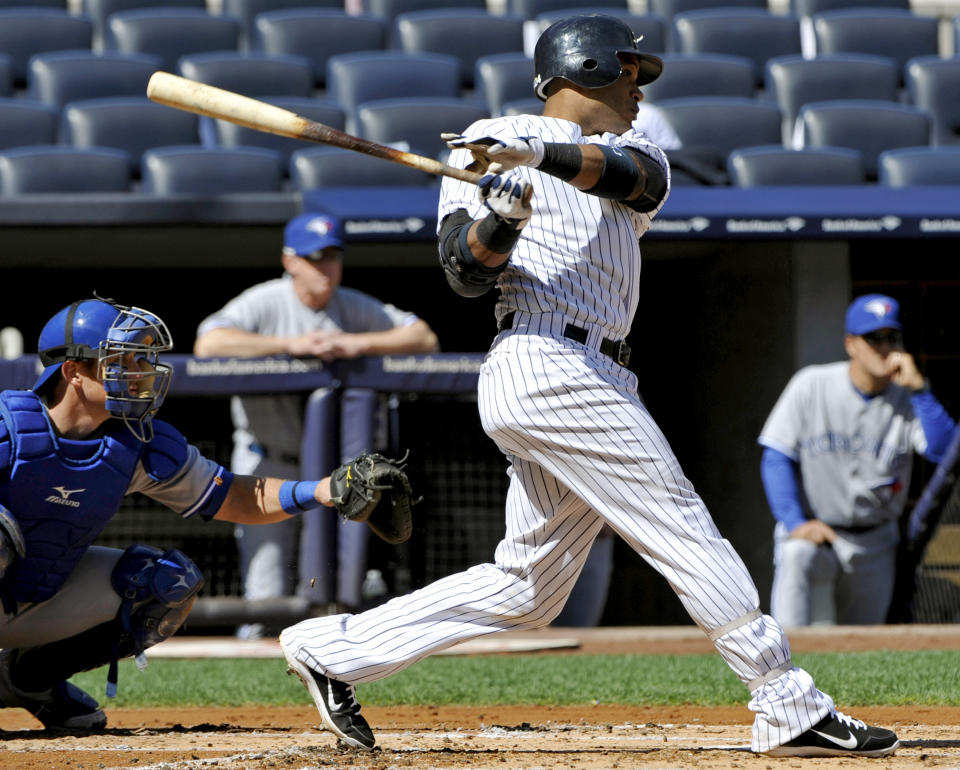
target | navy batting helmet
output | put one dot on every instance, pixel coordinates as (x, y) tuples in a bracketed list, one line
[(583, 49)]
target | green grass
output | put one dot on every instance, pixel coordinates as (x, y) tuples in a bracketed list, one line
[(853, 679)]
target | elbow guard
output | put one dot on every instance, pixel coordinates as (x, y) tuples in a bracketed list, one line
[(631, 178), (464, 274)]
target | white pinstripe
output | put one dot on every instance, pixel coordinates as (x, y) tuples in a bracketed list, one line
[(583, 450)]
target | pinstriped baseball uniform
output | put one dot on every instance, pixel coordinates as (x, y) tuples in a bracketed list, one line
[(583, 450)]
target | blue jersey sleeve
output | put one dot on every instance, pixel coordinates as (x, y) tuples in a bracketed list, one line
[(780, 477), (937, 424)]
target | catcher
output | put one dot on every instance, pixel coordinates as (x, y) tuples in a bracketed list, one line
[(70, 449)]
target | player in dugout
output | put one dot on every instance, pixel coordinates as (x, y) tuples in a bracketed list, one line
[(555, 224), (71, 447)]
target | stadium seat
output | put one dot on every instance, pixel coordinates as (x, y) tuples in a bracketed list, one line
[(248, 10), (353, 78), (334, 167), (25, 122), (251, 74), (934, 85), (317, 34), (811, 7), (67, 76), (100, 10), (388, 10), (778, 165), (754, 33), (58, 169), (529, 106), (530, 9), (670, 8), (503, 77), (912, 166), (28, 31), (211, 170), (793, 81), (6, 75), (711, 126), (894, 32), (467, 34), (416, 121), (61, 4), (865, 125), (171, 33), (650, 26), (702, 74), (132, 124), (329, 113)]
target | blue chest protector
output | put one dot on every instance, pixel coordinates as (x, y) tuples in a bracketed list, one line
[(61, 504)]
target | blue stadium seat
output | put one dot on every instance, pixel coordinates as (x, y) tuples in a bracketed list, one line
[(250, 74), (226, 134), (317, 34), (530, 9), (100, 10), (810, 7), (670, 8), (6, 75), (416, 121), (651, 26), (58, 169), (793, 81), (894, 32), (754, 33), (61, 4), (25, 122), (702, 74), (211, 170), (934, 85), (712, 126), (390, 9), (67, 76), (913, 166), (334, 167), (865, 125), (353, 78), (28, 31), (467, 34), (171, 33), (247, 11), (132, 124), (529, 106), (778, 165), (503, 77)]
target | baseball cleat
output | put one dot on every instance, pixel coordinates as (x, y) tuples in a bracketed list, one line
[(336, 702), (840, 736), (66, 707)]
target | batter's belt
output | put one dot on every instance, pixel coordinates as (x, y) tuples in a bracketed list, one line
[(618, 350)]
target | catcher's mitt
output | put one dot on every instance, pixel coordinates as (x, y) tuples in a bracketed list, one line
[(357, 490)]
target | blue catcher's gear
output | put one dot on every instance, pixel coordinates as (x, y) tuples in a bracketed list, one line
[(11, 541), (583, 49), (126, 343)]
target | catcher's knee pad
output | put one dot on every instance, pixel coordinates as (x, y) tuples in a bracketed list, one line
[(157, 589)]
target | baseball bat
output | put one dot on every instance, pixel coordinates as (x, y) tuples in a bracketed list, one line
[(202, 99)]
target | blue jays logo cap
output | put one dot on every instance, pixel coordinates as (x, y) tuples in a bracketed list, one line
[(309, 233), (871, 312)]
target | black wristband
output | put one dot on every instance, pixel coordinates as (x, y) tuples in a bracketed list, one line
[(563, 161), (497, 234)]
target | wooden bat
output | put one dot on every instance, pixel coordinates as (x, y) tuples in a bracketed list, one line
[(203, 99)]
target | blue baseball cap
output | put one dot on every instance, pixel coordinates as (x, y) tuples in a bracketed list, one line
[(307, 234), (871, 312)]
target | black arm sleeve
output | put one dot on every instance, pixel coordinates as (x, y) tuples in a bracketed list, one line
[(466, 276)]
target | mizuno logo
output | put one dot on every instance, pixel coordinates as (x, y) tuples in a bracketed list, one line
[(64, 497), (847, 743)]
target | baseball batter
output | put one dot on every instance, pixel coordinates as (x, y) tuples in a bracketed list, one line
[(847, 431), (70, 449), (557, 398)]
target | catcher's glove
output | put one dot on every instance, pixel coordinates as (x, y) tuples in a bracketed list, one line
[(357, 490)]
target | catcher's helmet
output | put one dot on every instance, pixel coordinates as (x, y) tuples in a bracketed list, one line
[(583, 49), (104, 331)]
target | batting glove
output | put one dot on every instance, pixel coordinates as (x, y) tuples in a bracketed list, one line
[(508, 197), (503, 154)]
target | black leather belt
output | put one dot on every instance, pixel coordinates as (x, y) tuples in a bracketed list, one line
[(619, 351), (857, 530)]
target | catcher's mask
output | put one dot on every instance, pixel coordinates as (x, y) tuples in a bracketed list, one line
[(584, 50), (126, 343)]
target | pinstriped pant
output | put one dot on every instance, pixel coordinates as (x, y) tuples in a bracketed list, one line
[(583, 450)]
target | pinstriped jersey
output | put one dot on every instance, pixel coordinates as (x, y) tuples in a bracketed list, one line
[(579, 254)]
